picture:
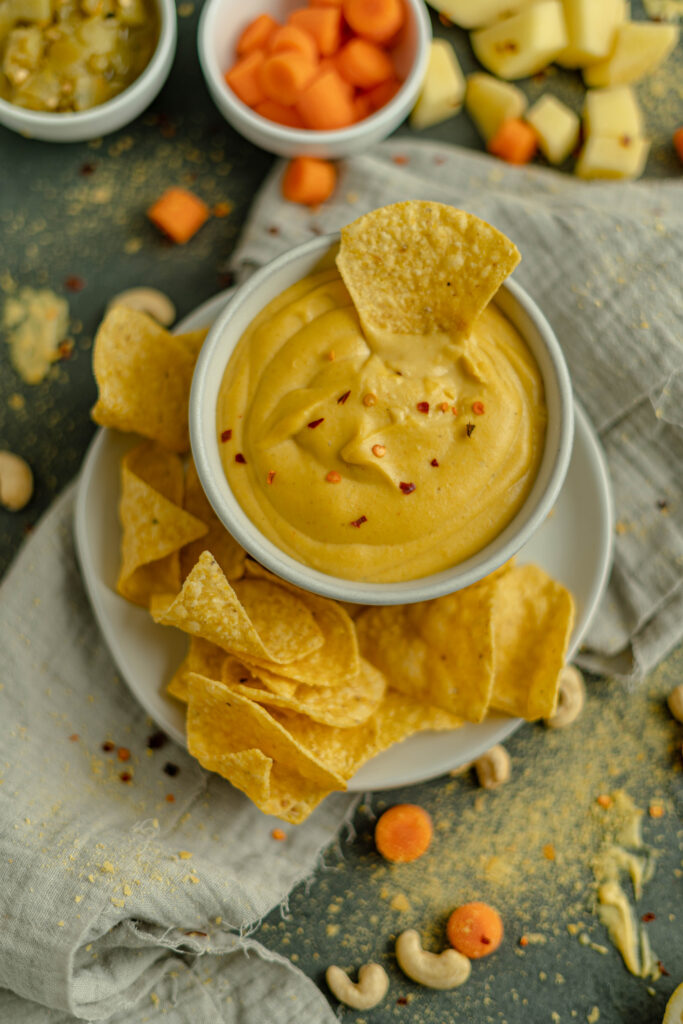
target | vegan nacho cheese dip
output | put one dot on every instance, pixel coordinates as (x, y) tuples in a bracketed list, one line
[(377, 454)]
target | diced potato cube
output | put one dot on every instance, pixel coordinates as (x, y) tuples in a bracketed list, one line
[(523, 44), (611, 113), (23, 51), (131, 12), (478, 13), (99, 35), (443, 87), (489, 102), (613, 158), (28, 10), (556, 126), (639, 47), (41, 91), (591, 25)]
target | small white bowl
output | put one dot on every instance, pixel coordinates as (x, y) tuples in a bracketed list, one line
[(249, 300), (115, 113), (220, 26)]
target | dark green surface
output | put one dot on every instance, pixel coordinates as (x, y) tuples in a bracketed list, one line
[(78, 211)]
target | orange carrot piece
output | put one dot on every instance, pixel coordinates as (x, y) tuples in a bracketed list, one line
[(403, 833), (364, 64), (678, 142), (381, 94), (361, 107), (256, 34), (309, 180), (323, 23), (289, 37), (475, 930), (376, 20), (244, 78), (284, 76), (179, 214), (280, 113), (515, 142), (326, 103)]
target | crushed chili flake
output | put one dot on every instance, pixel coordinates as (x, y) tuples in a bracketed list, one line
[(407, 488), (604, 800), (170, 799), (125, 776), (333, 477), (359, 522), (277, 833), (485, 941), (663, 969), (123, 754), (478, 408), (648, 917), (171, 769), (241, 459), (524, 941), (400, 160), (74, 283), (157, 740), (87, 169), (549, 851), (434, 462), (454, 410), (271, 476), (222, 209), (107, 746), (402, 1001), (226, 435), (342, 398), (315, 423), (438, 160), (379, 450), (369, 399), (65, 348), (656, 811), (423, 407), (273, 230), (469, 429), (444, 407), (332, 355), (445, 21)]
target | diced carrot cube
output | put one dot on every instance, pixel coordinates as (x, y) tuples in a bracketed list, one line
[(256, 34), (376, 20), (309, 181), (381, 94), (244, 78), (361, 107), (284, 76), (326, 103), (280, 113), (290, 37), (323, 23), (364, 64), (515, 142), (179, 214)]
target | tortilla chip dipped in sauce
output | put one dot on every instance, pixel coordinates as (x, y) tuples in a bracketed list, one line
[(383, 421)]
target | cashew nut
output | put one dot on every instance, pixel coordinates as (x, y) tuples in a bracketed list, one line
[(571, 699), (368, 991), (16, 481), (493, 767), (675, 702), (434, 970), (146, 300)]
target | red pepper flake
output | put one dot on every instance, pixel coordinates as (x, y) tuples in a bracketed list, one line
[(274, 230), (65, 348), (171, 769), (407, 488), (359, 522), (524, 941), (170, 799), (241, 459), (342, 398), (331, 355), (444, 407), (648, 917), (454, 410), (434, 462), (123, 754), (446, 22), (663, 969), (125, 777), (87, 169), (423, 407), (278, 834), (75, 283), (400, 160), (74, 736), (478, 408), (402, 1001), (439, 160), (222, 209), (157, 740), (469, 429), (226, 435), (485, 941), (271, 476), (315, 423), (107, 746), (333, 477)]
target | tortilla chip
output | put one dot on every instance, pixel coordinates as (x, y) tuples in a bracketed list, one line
[(192, 341), (203, 658), (222, 545), (421, 268), (275, 626), (438, 651), (143, 376), (154, 527), (533, 617), (341, 706)]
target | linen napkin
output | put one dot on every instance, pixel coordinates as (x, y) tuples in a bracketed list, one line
[(603, 261)]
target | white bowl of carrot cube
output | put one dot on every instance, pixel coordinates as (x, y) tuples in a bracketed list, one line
[(324, 78)]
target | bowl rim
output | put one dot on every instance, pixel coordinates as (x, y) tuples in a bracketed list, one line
[(302, 136), (423, 588), (25, 119)]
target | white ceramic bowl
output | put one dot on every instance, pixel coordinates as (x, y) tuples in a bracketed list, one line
[(115, 113), (220, 26), (249, 300)]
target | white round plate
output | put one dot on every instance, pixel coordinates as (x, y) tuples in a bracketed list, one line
[(574, 545)]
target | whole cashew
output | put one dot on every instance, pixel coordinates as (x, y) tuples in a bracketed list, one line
[(571, 698), (675, 702), (493, 767), (146, 300), (368, 991), (434, 970), (16, 481)]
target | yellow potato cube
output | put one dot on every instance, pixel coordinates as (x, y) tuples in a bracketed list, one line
[(639, 47), (477, 13), (443, 88), (613, 158), (523, 44), (557, 127), (489, 102), (611, 113), (591, 25)]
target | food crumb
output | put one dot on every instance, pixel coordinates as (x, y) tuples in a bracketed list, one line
[(593, 1016), (400, 902), (656, 810), (117, 901), (184, 854), (108, 867)]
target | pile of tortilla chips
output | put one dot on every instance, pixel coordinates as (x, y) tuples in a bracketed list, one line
[(286, 694)]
